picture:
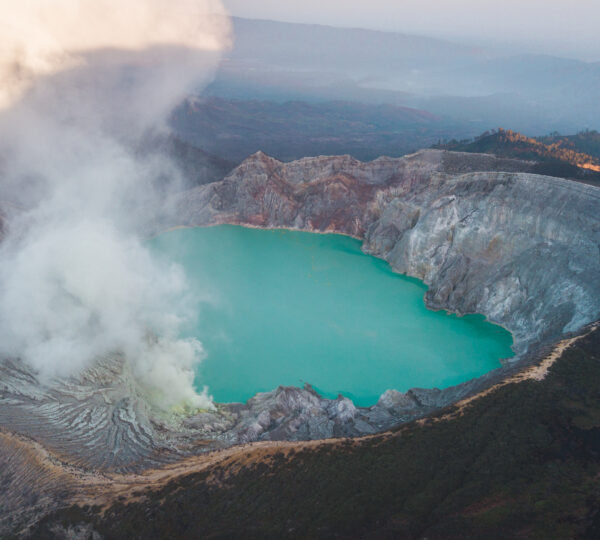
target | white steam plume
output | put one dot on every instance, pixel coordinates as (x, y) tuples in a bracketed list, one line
[(84, 82), (41, 37)]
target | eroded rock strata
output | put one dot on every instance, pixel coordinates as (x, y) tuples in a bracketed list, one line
[(484, 233), (518, 460)]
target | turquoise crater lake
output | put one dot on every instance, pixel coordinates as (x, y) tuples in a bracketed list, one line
[(278, 307)]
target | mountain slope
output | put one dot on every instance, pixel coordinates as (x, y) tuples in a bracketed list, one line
[(195, 164), (488, 237), (586, 142), (327, 48), (555, 155), (522, 461), (486, 87), (234, 129), (461, 222)]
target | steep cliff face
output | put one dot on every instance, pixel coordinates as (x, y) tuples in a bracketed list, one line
[(98, 453), (485, 234), (521, 249), (322, 193), (102, 421), (519, 462)]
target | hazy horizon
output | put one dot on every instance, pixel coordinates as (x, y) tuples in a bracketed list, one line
[(529, 26)]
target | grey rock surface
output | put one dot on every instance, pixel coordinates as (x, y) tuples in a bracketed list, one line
[(485, 234)]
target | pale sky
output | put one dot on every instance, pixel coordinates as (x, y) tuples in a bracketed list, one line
[(559, 27)]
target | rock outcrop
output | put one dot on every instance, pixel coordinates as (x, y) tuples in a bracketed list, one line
[(101, 420), (484, 234)]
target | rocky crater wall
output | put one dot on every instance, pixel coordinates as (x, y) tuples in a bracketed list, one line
[(485, 234)]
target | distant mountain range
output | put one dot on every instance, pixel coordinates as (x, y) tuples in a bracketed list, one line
[(348, 50), (574, 156), (484, 87), (214, 135), (295, 90), (234, 129)]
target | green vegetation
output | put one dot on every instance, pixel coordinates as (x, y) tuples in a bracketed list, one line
[(576, 156), (521, 462), (586, 142)]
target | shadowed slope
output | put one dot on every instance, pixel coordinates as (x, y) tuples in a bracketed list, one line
[(520, 461)]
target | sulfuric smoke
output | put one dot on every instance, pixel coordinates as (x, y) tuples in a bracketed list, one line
[(85, 83)]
